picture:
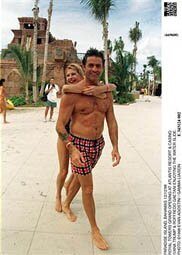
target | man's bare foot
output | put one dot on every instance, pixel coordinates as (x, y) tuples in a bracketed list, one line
[(6, 122), (99, 241), (58, 206), (69, 213)]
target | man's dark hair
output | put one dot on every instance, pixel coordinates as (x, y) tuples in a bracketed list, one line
[(93, 52)]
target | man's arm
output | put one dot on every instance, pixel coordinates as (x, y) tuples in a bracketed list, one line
[(113, 132), (65, 112)]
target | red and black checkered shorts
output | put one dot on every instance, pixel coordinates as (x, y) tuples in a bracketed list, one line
[(91, 151)]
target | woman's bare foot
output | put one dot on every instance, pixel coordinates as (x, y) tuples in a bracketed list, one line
[(69, 213), (6, 122), (99, 240), (58, 205)]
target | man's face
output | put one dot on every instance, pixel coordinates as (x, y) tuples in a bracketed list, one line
[(51, 81), (93, 68)]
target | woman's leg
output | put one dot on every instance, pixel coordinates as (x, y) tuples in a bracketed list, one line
[(63, 157), (72, 191), (68, 182)]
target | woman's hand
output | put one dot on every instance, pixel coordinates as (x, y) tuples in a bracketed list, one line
[(91, 91), (98, 90), (112, 86)]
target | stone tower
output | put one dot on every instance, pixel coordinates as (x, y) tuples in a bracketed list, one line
[(60, 53)]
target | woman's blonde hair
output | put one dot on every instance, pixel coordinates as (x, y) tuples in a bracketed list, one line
[(77, 68)]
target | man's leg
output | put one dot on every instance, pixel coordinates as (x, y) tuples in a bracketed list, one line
[(46, 112), (63, 157), (86, 183), (72, 191), (51, 112)]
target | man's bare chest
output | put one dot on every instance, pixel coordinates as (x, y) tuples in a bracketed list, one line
[(88, 104)]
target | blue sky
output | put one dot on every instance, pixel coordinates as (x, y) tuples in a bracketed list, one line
[(71, 20)]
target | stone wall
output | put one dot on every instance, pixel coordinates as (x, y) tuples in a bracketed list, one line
[(14, 83)]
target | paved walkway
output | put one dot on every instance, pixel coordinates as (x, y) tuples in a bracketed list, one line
[(127, 197)]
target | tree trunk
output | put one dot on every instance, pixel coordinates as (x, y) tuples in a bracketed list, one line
[(35, 14), (26, 92), (153, 87), (134, 52), (105, 38), (46, 47), (134, 68)]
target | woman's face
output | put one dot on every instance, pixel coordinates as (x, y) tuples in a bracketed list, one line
[(72, 76)]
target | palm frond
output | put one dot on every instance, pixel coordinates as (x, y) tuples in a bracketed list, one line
[(135, 34), (99, 9)]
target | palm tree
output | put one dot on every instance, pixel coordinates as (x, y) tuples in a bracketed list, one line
[(110, 49), (118, 46), (100, 10), (144, 75), (158, 73), (130, 60), (46, 47), (121, 67), (135, 34), (153, 63), (109, 46), (34, 49), (23, 59), (144, 71)]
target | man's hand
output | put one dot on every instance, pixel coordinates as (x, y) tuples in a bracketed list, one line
[(77, 157), (115, 157)]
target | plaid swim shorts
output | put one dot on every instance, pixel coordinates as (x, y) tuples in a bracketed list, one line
[(91, 150)]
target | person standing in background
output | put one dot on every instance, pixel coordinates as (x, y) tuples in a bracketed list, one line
[(3, 100), (51, 91)]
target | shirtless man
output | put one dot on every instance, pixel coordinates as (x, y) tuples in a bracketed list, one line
[(85, 141)]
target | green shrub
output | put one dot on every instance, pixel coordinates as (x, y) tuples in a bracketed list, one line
[(124, 98), (18, 100), (39, 103)]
